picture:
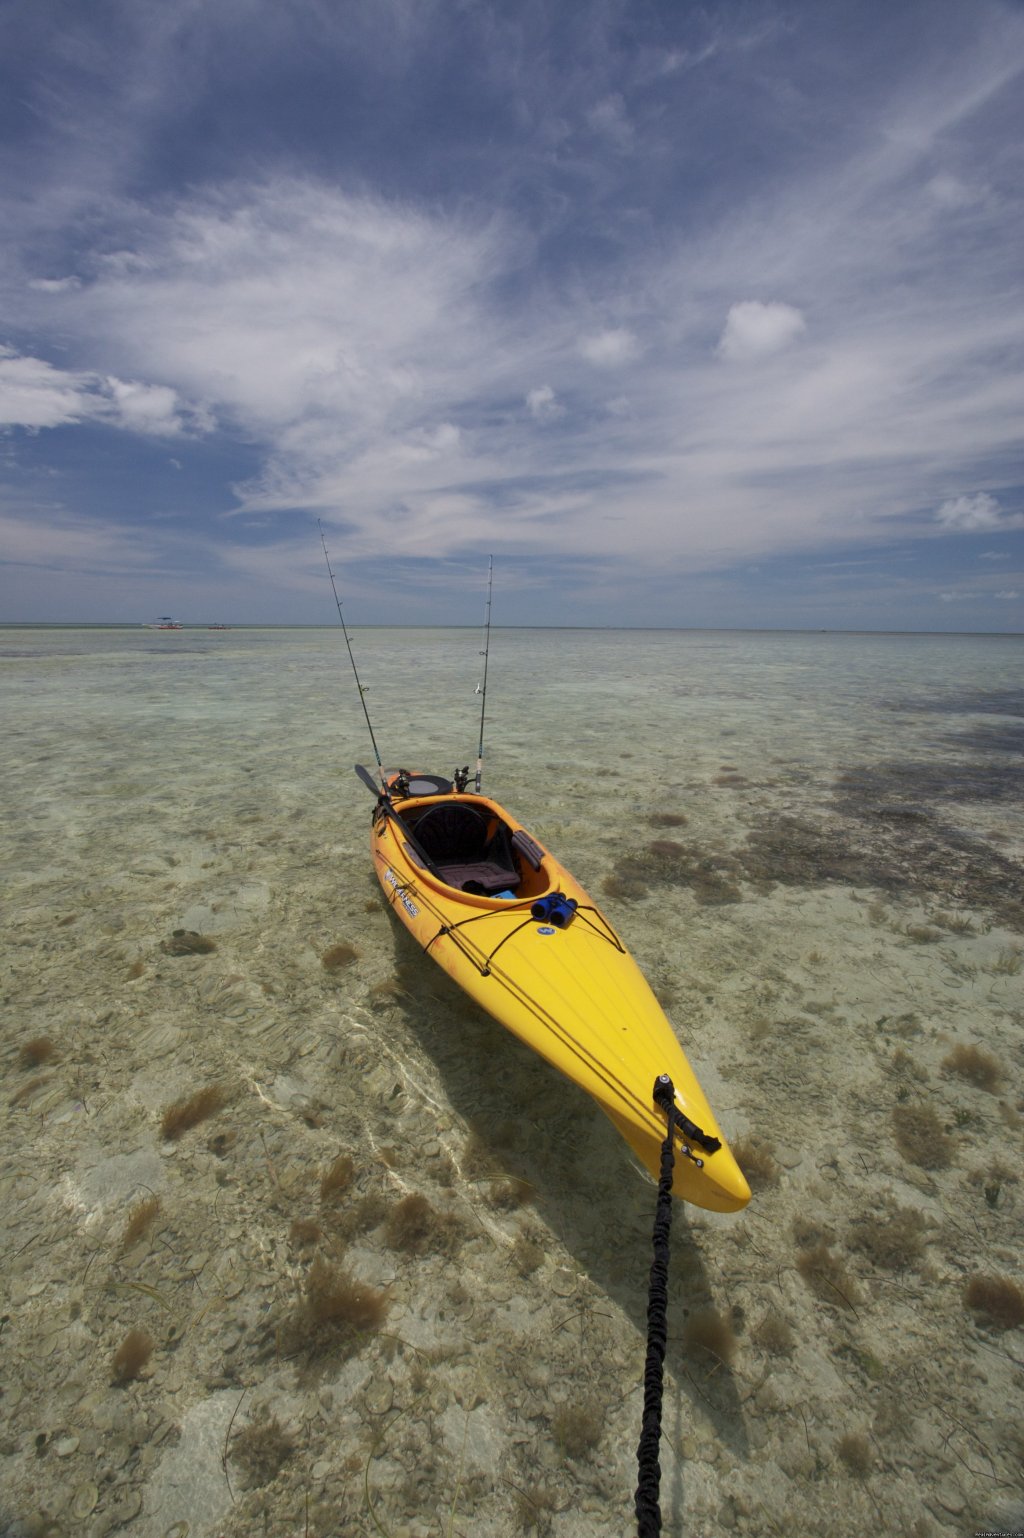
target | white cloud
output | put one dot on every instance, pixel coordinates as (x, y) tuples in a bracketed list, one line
[(994, 555), (65, 542), (970, 514), (429, 444), (366, 351), (950, 192), (54, 285), (756, 330), (1007, 593), (543, 404), (36, 395), (610, 118), (609, 349), (149, 409), (294, 308)]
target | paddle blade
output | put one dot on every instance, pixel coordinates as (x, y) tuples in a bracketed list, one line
[(367, 779)]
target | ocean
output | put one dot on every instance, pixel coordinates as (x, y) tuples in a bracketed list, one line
[(395, 1280)]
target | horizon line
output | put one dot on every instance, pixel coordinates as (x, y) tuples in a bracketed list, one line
[(200, 627)]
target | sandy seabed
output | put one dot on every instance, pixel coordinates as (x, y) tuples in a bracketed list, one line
[(394, 1281)]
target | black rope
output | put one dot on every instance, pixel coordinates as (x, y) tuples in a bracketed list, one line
[(450, 929), (607, 933), (475, 918), (691, 1130), (648, 1511)]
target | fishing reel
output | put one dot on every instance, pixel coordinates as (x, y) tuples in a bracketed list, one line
[(460, 779)]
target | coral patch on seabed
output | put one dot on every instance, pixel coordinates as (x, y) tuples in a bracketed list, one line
[(296, 1242)]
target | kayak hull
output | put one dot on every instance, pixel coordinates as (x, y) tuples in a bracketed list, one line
[(570, 991)]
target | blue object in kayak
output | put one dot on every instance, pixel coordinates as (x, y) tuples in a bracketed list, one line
[(555, 908)]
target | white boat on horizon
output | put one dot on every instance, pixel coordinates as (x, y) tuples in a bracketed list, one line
[(165, 622)]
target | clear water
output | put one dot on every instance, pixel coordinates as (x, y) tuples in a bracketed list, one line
[(837, 907)]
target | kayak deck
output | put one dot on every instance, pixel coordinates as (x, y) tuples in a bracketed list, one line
[(519, 934)]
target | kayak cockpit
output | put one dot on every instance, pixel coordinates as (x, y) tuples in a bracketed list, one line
[(465, 842), (468, 849)]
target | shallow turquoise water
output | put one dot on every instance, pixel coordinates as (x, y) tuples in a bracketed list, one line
[(843, 907)]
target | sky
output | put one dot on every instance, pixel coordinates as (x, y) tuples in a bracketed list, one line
[(688, 315)]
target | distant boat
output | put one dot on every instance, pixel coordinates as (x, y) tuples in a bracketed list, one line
[(163, 623), (218, 627)]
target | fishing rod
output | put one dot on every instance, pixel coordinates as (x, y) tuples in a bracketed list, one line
[(351, 658), (483, 687)]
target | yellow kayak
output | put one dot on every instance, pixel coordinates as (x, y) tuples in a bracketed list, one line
[(512, 927)]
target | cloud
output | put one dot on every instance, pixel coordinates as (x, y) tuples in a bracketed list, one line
[(286, 303), (951, 193), (431, 443), (610, 119), (386, 335), (53, 285), (154, 410), (755, 330), (543, 404), (610, 349), (36, 395), (970, 514), (61, 542), (959, 595)]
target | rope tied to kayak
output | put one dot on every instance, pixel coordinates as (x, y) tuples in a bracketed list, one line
[(484, 967), (690, 1129), (648, 1511)]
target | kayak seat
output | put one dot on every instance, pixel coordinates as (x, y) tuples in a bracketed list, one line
[(455, 839)]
